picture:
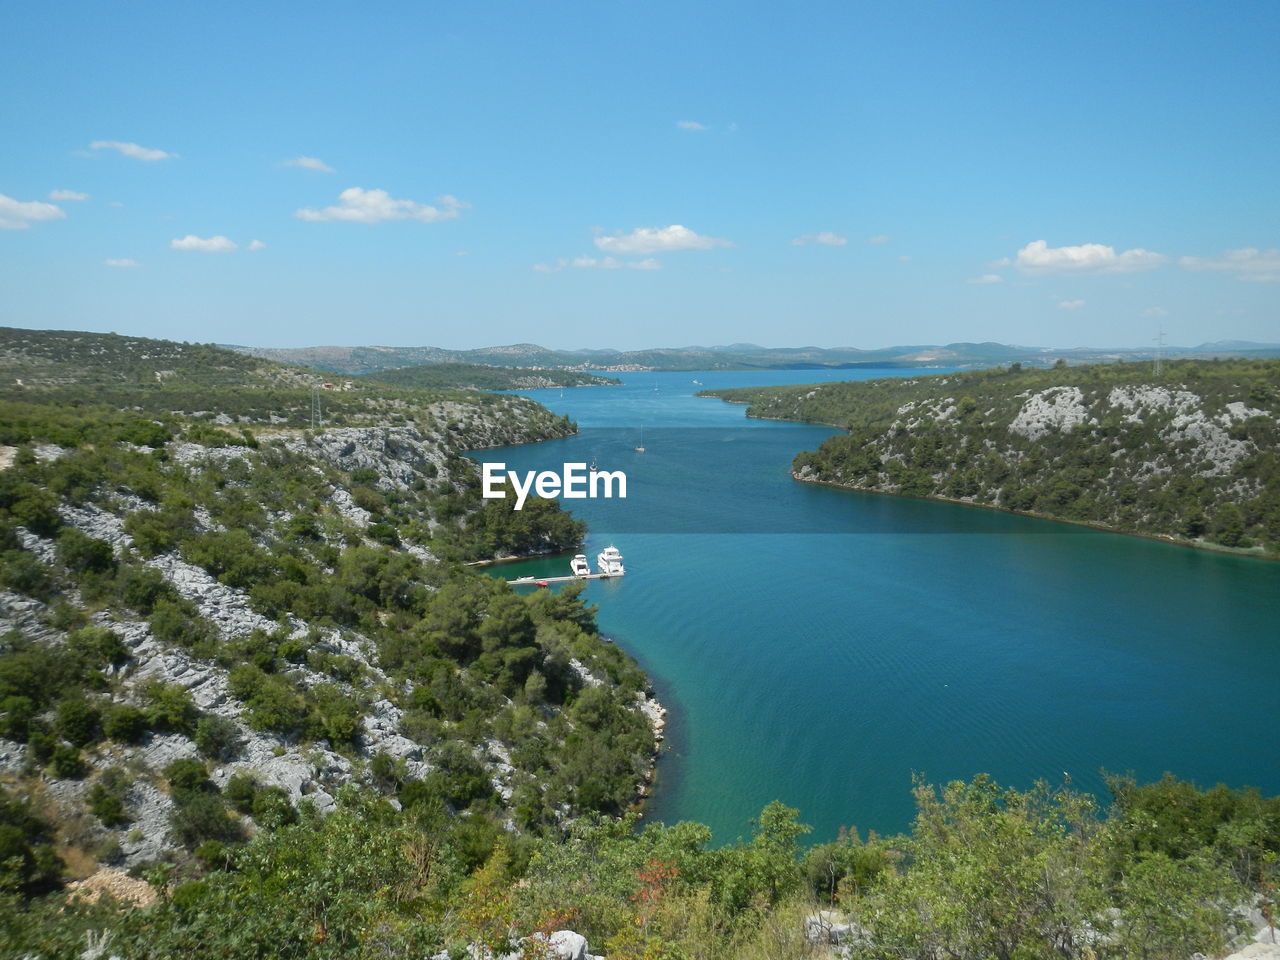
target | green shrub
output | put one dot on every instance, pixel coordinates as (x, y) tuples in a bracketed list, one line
[(271, 808), (16, 713), (159, 531), (213, 855), (187, 775), (174, 620), (123, 723), (31, 864), (201, 816), (78, 722), (144, 433), (106, 805), (66, 762), (217, 737), (32, 507), (100, 646), (170, 708), (141, 587), (83, 554), (240, 791), (23, 573), (40, 745)]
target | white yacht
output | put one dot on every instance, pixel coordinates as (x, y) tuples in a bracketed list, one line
[(579, 566), (609, 562)]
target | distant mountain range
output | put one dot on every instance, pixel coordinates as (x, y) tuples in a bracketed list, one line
[(737, 356)]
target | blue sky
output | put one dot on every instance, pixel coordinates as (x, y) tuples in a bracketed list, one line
[(632, 174)]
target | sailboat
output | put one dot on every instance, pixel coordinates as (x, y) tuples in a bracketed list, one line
[(640, 449)]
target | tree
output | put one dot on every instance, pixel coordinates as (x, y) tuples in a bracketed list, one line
[(991, 874)]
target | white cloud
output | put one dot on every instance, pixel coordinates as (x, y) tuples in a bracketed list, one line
[(597, 263), (1153, 312), (116, 203), (124, 262), (218, 244), (670, 239), (67, 195), (692, 125), (357, 205), (826, 238), (256, 245), (905, 258), (1038, 257), (1247, 263), (879, 239), (309, 163), (20, 214), (986, 278), (1070, 304), (132, 150)]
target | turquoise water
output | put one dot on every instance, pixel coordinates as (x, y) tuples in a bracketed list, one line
[(824, 669)]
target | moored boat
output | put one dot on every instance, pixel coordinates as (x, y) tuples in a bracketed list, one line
[(579, 566), (609, 562)]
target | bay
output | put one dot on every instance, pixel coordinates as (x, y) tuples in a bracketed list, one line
[(827, 669)]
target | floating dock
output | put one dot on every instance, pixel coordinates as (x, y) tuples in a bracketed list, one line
[(534, 581)]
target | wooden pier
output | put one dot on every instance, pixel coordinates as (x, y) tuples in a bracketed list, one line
[(535, 581)]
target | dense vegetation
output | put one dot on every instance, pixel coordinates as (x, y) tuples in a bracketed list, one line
[(475, 376), (204, 617), (1192, 455), (984, 873)]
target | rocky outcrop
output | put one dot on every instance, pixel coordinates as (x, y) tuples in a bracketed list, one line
[(1058, 408), (560, 945)]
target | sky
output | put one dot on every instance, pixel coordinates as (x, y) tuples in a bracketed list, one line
[(638, 174)]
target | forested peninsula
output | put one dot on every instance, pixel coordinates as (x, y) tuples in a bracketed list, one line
[(254, 704), (1189, 454)]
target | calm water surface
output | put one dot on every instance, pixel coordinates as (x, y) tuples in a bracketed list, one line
[(824, 669)]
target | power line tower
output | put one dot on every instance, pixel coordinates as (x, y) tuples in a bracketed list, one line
[(317, 417), (1159, 339)]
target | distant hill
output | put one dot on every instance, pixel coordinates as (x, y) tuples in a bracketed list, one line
[(48, 358), (738, 356), (474, 376), (1191, 455)]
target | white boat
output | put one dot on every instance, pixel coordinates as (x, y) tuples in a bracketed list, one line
[(609, 562), (579, 566), (640, 449)]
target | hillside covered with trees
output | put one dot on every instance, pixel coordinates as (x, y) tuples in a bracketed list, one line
[(1191, 455), (213, 616)]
